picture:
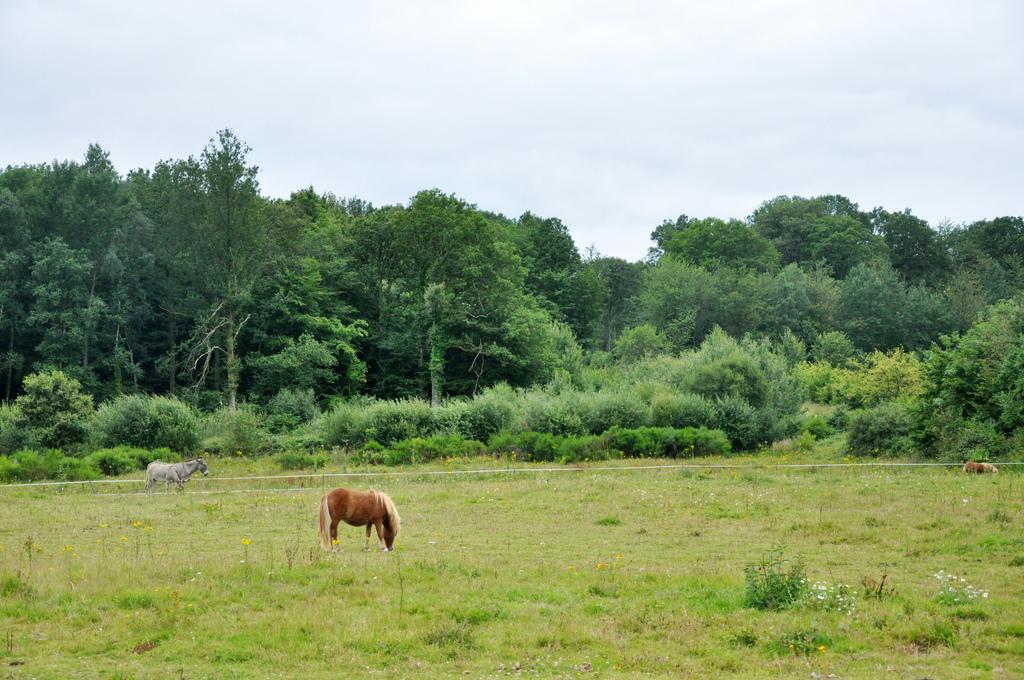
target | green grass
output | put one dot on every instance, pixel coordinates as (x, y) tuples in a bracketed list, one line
[(615, 573)]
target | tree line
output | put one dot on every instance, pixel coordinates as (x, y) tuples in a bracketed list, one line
[(185, 280)]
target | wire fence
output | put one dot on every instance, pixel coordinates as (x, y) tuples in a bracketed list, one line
[(307, 482)]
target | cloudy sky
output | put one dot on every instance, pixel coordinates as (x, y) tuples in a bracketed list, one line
[(612, 116)]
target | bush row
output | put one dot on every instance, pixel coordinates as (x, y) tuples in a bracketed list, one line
[(32, 466), (567, 414)]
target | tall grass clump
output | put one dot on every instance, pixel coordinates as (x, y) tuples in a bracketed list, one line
[(774, 583)]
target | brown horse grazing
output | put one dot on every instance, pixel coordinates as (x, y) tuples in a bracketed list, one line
[(358, 508), (980, 468)]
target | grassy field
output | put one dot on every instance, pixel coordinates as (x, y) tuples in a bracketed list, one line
[(592, 573)]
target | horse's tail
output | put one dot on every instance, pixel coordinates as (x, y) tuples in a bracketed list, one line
[(325, 524), (393, 520)]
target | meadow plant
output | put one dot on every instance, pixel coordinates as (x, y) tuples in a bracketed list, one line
[(832, 597), (774, 583), (954, 590)]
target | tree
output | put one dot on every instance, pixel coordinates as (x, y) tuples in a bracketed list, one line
[(230, 245), (713, 243), (621, 282), (640, 342), (827, 228), (872, 307), (914, 248), (14, 267), (54, 409)]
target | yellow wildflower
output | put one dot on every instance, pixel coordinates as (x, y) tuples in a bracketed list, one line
[(246, 541)]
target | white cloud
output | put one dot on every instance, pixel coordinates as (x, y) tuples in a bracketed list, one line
[(609, 116)]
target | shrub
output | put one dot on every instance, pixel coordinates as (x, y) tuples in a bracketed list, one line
[(681, 410), (833, 348), (345, 424), (126, 420), (301, 461), (8, 470), (881, 377), (176, 425), (739, 421), (737, 376), (423, 450), (541, 446), (290, 408), (113, 462), (229, 432), (882, 430), (389, 422), (816, 424), (600, 411), (554, 415), (972, 439), (147, 422), (640, 342), (12, 435), (771, 585), (30, 466), (489, 413), (819, 381), (54, 408), (667, 442)]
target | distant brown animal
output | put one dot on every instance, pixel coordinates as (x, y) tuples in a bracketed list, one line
[(358, 508), (980, 468)]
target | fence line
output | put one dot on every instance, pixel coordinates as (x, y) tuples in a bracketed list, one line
[(506, 470)]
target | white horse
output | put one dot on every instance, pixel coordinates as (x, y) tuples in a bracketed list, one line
[(173, 472)]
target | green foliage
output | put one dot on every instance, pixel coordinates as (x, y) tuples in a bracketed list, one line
[(113, 462), (973, 387), (713, 242), (301, 461), (605, 409), (667, 442), (740, 422), (801, 643), (236, 432), (815, 424), (488, 413), (833, 348), (12, 435), (640, 342), (389, 422), (541, 446), (344, 425), (556, 415), (773, 583), (426, 449), (290, 408), (883, 430), (54, 409), (682, 410), (30, 466), (147, 422)]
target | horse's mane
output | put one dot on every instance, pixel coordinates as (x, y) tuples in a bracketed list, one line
[(392, 513)]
